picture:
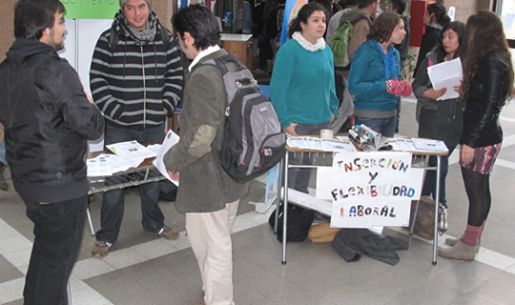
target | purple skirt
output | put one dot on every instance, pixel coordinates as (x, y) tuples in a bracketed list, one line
[(484, 159)]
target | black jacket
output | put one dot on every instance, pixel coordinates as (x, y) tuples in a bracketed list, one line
[(429, 41), (48, 121), (488, 92)]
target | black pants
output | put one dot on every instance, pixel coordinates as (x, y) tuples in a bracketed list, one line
[(477, 187), (58, 230)]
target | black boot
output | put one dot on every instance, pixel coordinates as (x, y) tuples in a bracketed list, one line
[(3, 183)]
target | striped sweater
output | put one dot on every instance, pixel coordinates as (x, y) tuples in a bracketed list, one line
[(133, 82)]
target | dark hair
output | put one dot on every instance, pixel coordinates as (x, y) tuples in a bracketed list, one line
[(365, 3), (32, 17), (200, 23), (399, 6), (459, 28), (304, 13), (440, 13), (485, 35), (382, 28)]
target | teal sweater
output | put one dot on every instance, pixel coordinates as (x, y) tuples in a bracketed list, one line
[(302, 86), (367, 79)]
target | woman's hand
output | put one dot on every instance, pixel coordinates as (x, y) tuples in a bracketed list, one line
[(466, 154), (291, 129), (434, 94)]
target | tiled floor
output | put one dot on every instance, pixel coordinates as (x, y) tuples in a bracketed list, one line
[(143, 270)]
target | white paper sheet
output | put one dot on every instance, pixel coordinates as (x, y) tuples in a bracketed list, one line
[(170, 140), (429, 145), (105, 165), (447, 74), (131, 151)]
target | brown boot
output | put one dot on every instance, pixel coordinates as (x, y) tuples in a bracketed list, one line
[(3, 183), (459, 251)]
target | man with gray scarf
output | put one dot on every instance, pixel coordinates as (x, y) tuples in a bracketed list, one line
[(136, 80)]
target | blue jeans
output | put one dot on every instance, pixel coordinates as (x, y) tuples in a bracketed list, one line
[(111, 214), (2, 154), (58, 230), (385, 126)]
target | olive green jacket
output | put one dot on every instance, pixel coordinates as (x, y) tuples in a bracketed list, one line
[(204, 185)]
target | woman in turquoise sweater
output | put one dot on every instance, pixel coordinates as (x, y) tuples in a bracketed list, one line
[(374, 75), (302, 86)]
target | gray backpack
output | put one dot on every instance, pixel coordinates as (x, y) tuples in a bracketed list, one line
[(253, 140)]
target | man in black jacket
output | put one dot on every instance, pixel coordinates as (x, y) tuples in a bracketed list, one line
[(48, 120)]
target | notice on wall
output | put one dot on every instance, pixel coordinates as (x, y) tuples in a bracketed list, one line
[(91, 9), (370, 188)]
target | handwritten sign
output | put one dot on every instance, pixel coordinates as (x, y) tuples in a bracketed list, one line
[(370, 189)]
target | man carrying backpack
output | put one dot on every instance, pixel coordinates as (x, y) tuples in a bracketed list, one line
[(207, 195), (136, 80), (346, 31)]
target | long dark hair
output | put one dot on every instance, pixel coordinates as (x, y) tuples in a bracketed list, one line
[(304, 13), (485, 35), (383, 26), (459, 28)]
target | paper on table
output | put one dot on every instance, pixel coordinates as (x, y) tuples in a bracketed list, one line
[(447, 74), (170, 140), (106, 164), (429, 145), (131, 151)]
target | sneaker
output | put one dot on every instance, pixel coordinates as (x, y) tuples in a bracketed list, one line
[(101, 249), (168, 233), (442, 219)]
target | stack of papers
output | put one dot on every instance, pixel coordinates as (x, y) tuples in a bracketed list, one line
[(401, 144), (106, 164), (447, 74), (132, 152), (314, 143)]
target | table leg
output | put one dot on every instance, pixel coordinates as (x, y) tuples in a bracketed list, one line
[(437, 196), (285, 205)]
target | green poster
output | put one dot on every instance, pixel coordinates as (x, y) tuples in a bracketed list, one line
[(91, 9)]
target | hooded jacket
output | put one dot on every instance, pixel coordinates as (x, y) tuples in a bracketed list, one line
[(134, 81), (47, 120), (367, 80)]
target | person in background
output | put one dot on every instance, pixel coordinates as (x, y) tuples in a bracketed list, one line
[(399, 6), (435, 18), (374, 75), (360, 14), (48, 120), (439, 119), (302, 85), (3, 162), (207, 194), (487, 84), (136, 80)]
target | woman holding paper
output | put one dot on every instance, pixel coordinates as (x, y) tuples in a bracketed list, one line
[(439, 119), (374, 75), (487, 84)]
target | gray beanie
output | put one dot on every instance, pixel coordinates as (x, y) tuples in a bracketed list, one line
[(122, 3)]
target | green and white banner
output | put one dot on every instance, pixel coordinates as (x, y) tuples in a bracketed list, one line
[(91, 9)]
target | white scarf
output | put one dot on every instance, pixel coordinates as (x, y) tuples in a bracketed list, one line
[(319, 45)]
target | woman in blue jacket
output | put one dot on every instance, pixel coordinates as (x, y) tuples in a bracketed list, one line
[(302, 86), (374, 75)]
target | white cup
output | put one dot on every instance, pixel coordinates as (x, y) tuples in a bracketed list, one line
[(326, 134)]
